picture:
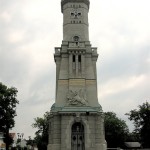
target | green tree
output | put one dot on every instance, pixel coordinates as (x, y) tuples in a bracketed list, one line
[(42, 125), (30, 142), (133, 137), (141, 119), (8, 104), (116, 130)]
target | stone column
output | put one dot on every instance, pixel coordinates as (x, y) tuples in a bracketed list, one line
[(56, 133), (70, 64), (77, 69), (83, 64), (100, 137)]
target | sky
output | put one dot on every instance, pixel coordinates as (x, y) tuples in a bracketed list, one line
[(29, 31)]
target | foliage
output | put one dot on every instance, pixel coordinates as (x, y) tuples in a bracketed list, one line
[(116, 130), (141, 119), (8, 139), (8, 104), (133, 137), (30, 141), (41, 124)]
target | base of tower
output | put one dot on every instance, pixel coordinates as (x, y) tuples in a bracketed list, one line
[(53, 147), (82, 129), (101, 146)]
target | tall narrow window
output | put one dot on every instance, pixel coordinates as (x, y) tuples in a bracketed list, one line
[(74, 58), (74, 62), (79, 61), (79, 58)]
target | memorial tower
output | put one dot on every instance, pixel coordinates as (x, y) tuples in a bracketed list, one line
[(76, 117)]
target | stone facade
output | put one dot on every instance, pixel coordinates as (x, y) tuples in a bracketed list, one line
[(76, 120), (60, 130)]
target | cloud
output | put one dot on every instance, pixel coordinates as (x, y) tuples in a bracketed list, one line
[(30, 29)]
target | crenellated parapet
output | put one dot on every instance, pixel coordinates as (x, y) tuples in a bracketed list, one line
[(63, 2)]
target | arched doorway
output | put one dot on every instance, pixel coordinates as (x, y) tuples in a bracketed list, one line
[(77, 136)]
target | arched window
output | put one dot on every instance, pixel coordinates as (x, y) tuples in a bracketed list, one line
[(76, 38)]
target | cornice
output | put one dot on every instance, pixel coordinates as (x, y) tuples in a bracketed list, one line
[(63, 2)]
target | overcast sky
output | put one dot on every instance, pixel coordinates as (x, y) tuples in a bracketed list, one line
[(29, 31)]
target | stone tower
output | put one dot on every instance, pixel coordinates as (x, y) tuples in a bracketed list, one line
[(76, 118)]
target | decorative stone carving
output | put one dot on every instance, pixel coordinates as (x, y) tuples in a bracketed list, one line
[(57, 50), (78, 117), (76, 98)]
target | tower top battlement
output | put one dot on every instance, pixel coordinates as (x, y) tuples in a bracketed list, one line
[(63, 2)]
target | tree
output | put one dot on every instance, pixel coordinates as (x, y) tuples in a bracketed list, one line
[(8, 104), (42, 125), (141, 119), (116, 130), (133, 137), (30, 142)]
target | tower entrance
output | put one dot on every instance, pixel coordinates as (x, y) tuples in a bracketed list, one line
[(77, 137)]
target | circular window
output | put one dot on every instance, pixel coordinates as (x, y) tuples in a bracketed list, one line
[(76, 38)]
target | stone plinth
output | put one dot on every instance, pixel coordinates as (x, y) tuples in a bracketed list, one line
[(60, 129)]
